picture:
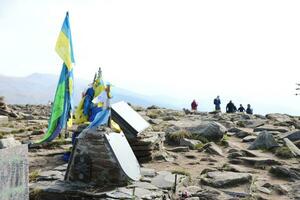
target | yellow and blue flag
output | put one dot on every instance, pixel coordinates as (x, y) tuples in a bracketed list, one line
[(63, 101)]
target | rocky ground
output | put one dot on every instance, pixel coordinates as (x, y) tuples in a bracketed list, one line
[(221, 156)]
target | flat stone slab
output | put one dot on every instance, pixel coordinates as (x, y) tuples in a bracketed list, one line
[(147, 172), (165, 180), (293, 148), (271, 128), (285, 172), (260, 161), (179, 149), (225, 179), (292, 135)]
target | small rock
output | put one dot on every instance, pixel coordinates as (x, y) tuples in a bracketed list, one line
[(281, 189), (249, 138), (189, 142), (264, 190), (212, 148), (242, 134)]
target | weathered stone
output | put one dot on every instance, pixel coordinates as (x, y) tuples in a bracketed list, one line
[(166, 180), (263, 190), (212, 148), (292, 147), (278, 117), (8, 142), (148, 172), (242, 134), (210, 130), (291, 135), (249, 138), (253, 123), (281, 189), (235, 155), (285, 172), (264, 140), (213, 131), (260, 161), (271, 128), (189, 142), (155, 121), (225, 179)]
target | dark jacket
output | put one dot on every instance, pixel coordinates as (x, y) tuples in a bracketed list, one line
[(230, 108), (249, 111), (241, 109)]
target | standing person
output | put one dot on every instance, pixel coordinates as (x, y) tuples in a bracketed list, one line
[(241, 108), (249, 110), (230, 107), (217, 103), (194, 105)]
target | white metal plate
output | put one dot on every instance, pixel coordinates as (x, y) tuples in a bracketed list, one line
[(130, 116), (124, 155)]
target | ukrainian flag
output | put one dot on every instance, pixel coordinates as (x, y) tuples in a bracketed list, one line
[(63, 101)]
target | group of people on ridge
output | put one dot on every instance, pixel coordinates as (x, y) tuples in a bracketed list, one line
[(230, 107)]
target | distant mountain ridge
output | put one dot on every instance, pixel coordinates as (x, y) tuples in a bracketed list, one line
[(40, 89)]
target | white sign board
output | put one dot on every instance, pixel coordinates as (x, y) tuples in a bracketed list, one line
[(124, 154)]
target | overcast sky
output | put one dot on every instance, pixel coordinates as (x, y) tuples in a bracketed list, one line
[(247, 51)]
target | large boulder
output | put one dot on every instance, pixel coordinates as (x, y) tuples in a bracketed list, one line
[(264, 140), (212, 131)]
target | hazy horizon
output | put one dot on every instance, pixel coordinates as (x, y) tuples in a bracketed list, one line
[(245, 51)]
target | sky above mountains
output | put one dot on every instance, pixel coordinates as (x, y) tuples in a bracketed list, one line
[(245, 51)]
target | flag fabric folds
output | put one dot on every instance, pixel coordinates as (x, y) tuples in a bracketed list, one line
[(63, 100)]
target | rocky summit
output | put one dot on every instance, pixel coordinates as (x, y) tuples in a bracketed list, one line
[(183, 155)]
